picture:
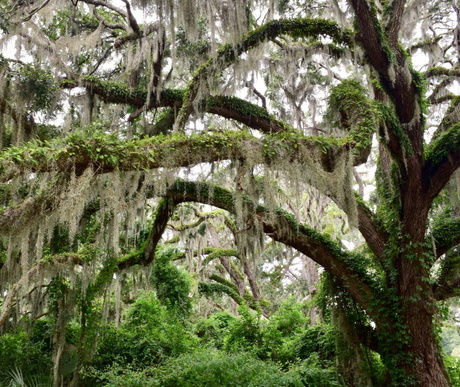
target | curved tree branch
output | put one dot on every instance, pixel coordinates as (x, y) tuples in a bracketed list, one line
[(227, 54), (286, 230)]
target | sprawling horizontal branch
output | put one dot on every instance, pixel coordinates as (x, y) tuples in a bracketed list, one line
[(107, 153), (227, 54), (440, 71), (235, 108), (426, 44), (347, 267)]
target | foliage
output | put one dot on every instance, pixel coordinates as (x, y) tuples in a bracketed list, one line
[(214, 368), (117, 134), (24, 356), (172, 285), (150, 334)]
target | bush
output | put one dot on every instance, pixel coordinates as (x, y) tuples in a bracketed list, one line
[(319, 339), (17, 352), (172, 284), (150, 334), (245, 332), (213, 368), (453, 369)]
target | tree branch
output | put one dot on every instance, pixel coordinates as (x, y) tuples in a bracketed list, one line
[(103, 3), (371, 229), (442, 159), (228, 53), (286, 230), (446, 236)]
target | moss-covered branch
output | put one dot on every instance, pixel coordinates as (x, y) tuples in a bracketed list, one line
[(218, 253), (442, 158), (446, 236), (146, 254), (233, 290), (425, 44), (351, 109), (235, 108), (350, 269), (441, 71), (228, 54), (107, 153), (209, 289)]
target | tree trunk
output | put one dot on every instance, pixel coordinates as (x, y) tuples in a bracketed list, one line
[(424, 351), (419, 353)]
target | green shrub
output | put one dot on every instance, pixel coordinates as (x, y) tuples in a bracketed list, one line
[(211, 368), (319, 339), (245, 332), (214, 368), (172, 284), (150, 334), (453, 369), (17, 352), (213, 330)]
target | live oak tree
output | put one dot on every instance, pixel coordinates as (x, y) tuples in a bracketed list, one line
[(106, 106)]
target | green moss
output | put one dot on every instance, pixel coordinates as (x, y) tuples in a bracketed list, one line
[(209, 289), (217, 253), (93, 146), (443, 146), (388, 116), (447, 233), (349, 108)]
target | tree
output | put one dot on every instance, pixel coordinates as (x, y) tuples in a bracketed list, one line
[(127, 93)]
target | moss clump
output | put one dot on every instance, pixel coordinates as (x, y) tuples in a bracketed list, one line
[(349, 108), (209, 289), (443, 146)]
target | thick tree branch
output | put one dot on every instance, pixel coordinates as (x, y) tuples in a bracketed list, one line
[(399, 81), (228, 53), (146, 254), (395, 11), (131, 19), (448, 284), (235, 108), (441, 160), (446, 236), (371, 229), (107, 153), (439, 71), (286, 230), (371, 35)]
